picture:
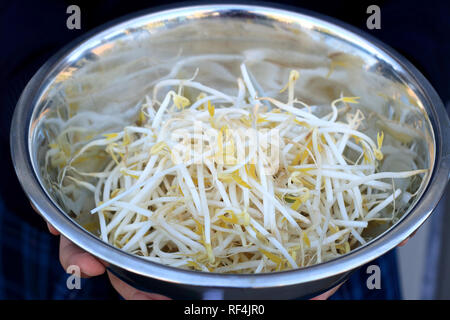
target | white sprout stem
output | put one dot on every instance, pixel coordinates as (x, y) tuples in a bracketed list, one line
[(382, 205)]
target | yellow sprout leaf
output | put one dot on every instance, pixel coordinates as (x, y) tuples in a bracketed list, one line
[(110, 136), (302, 123), (305, 152), (261, 119), (296, 204), (377, 152), (211, 109), (110, 151), (251, 170), (290, 199), (343, 248), (141, 118), (365, 152), (236, 177), (230, 177), (194, 265), (244, 218), (380, 138), (158, 147), (246, 120), (306, 239), (293, 252), (260, 236), (115, 193), (304, 170), (180, 101), (334, 229), (357, 139), (126, 139), (296, 159), (233, 219), (350, 99), (271, 256), (296, 177), (225, 177), (298, 200)]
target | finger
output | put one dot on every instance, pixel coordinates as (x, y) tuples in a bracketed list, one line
[(70, 254), (130, 293), (404, 242), (52, 230), (326, 295)]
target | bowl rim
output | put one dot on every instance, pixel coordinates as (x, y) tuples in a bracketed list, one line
[(20, 139)]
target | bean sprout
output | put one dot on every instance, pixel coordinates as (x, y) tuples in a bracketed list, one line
[(242, 183)]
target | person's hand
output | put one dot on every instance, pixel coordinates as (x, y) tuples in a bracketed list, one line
[(401, 244), (70, 254), (130, 293), (329, 293)]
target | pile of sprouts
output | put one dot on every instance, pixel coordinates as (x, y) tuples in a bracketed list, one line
[(229, 181)]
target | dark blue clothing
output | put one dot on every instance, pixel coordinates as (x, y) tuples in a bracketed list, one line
[(30, 269), (31, 31)]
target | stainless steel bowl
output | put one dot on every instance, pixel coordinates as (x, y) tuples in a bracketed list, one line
[(151, 37)]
